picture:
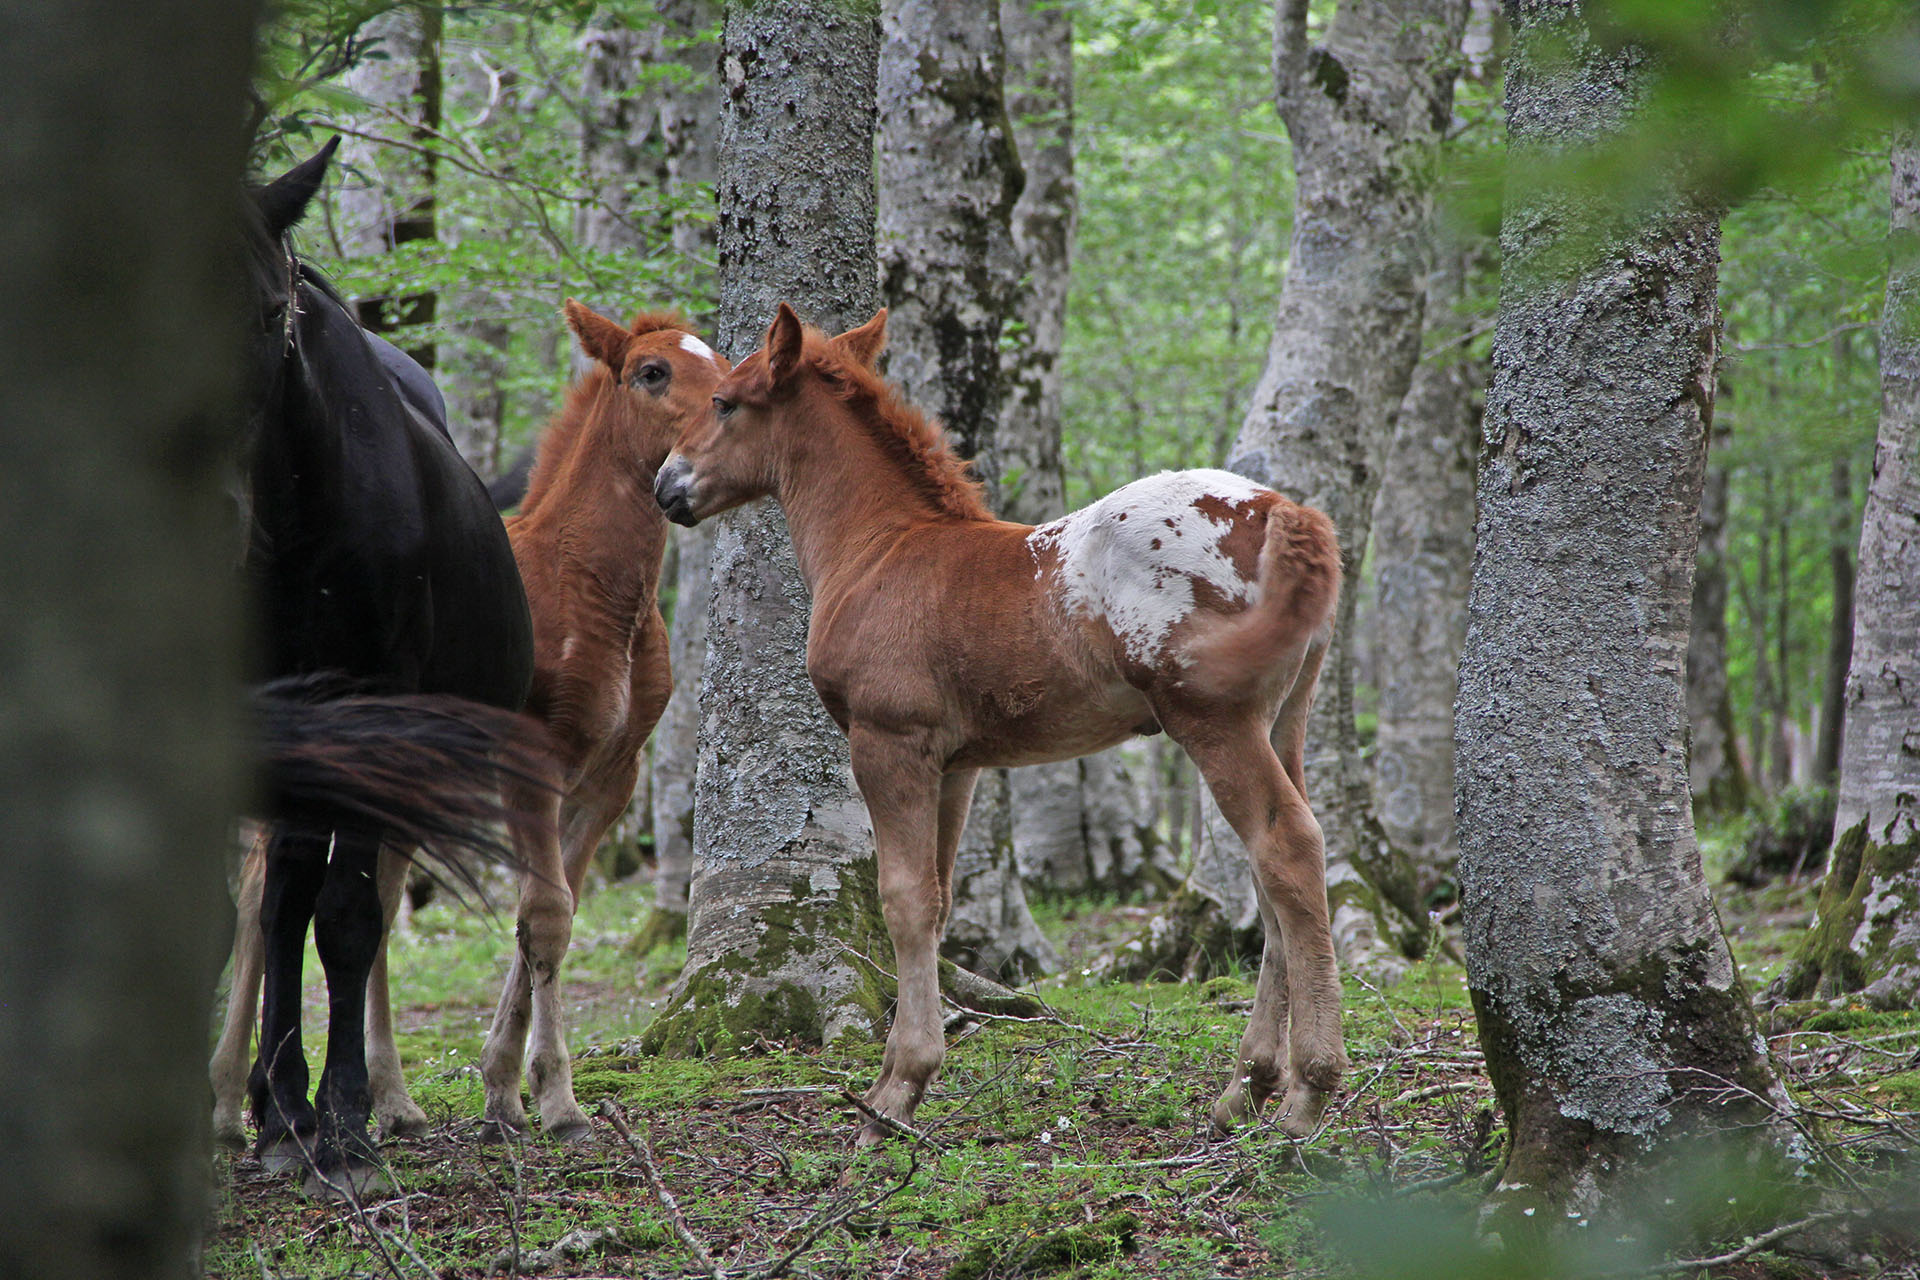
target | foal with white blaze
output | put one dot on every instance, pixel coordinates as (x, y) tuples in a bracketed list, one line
[(944, 641)]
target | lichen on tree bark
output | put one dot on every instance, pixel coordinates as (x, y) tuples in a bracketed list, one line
[(1612, 1017)]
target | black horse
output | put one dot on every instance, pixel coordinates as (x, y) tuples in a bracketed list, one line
[(374, 555)]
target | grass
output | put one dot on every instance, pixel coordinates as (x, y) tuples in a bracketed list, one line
[(1070, 1146)]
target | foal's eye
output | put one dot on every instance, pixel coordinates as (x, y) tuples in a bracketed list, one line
[(723, 406), (650, 376)]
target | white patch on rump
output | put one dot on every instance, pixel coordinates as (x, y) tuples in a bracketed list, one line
[(690, 343), (1132, 557)]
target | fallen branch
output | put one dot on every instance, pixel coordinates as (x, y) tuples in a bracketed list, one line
[(644, 1151), (1753, 1245)]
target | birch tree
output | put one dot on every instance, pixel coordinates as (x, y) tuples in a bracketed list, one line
[(1866, 935), (784, 920), (948, 180), (1608, 1004), (120, 647)]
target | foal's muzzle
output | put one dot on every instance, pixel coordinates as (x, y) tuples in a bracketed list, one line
[(673, 490)]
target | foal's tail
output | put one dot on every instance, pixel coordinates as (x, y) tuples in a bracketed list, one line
[(424, 769), (1300, 568)]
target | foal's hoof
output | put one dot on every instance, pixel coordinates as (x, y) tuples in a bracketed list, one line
[(496, 1132), (405, 1122), (570, 1129), (1302, 1110), (354, 1181)]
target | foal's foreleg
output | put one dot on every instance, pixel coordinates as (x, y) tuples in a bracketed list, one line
[(903, 793), (399, 1115), (296, 865), (347, 928)]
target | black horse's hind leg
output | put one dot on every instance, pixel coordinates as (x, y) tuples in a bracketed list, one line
[(296, 868), (347, 925)]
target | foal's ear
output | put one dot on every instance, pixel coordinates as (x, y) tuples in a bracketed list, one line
[(864, 345), (283, 200), (599, 337), (784, 339)]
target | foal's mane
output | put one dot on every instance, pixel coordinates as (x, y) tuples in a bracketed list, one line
[(562, 441), (902, 431)]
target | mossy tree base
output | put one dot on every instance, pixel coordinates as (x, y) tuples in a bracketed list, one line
[(1865, 937)]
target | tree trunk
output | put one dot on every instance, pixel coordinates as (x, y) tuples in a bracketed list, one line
[(1866, 936), (1608, 1004), (784, 881), (620, 144), (120, 646), (1716, 779), (1826, 755), (1422, 563), (948, 179), (689, 137), (392, 201), (676, 739), (1364, 110), (1051, 843), (690, 134)]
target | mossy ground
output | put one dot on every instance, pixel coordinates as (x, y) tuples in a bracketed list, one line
[(1070, 1145)]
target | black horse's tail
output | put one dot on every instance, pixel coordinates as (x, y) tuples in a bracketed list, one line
[(424, 769)]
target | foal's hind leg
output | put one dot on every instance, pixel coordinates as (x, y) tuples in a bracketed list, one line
[(399, 1115), (233, 1055), (1283, 841)]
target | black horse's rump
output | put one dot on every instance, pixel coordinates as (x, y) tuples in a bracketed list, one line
[(374, 556)]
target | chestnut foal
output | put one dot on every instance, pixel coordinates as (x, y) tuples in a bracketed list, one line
[(944, 641), (588, 542)]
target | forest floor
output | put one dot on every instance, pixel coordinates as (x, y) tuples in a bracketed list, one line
[(1069, 1145)]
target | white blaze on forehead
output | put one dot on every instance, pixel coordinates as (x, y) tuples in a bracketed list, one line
[(1132, 557), (690, 343)]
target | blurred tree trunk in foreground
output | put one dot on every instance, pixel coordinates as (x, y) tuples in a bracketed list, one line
[(120, 641), (1615, 1027), (1866, 936)]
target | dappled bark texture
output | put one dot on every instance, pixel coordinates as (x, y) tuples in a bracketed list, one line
[(1866, 936), (386, 198), (620, 145), (1608, 1004), (121, 637), (676, 740), (948, 178), (1422, 563), (783, 882), (1364, 110)]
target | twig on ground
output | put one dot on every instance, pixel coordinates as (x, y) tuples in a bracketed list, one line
[(779, 1266), (1752, 1246), (889, 1123), (643, 1149)]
